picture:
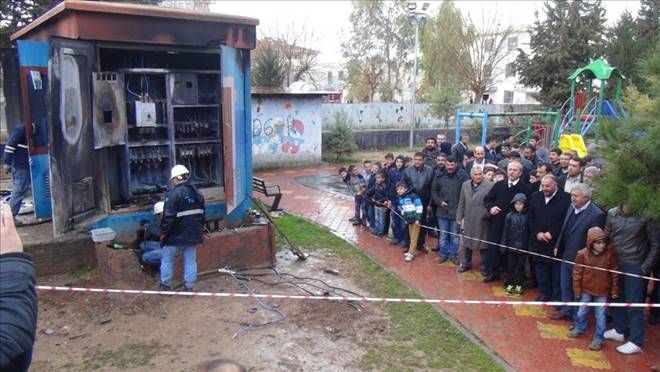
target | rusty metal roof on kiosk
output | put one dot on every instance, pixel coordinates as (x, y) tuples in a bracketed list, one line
[(105, 20)]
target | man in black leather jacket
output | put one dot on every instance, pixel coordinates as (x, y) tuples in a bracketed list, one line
[(18, 298)]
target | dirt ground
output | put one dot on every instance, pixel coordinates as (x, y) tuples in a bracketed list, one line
[(114, 332)]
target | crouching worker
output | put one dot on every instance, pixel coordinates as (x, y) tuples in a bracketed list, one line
[(181, 228), (592, 285), (150, 250)]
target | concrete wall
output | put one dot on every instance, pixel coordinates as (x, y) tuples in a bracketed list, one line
[(286, 130), (370, 139), (379, 115)]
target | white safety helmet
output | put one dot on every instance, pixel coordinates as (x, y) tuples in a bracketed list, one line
[(178, 170), (158, 207)]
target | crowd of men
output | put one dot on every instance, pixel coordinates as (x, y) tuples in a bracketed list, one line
[(528, 212)]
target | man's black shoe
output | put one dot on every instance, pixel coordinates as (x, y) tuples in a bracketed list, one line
[(491, 279), (462, 269), (560, 316)]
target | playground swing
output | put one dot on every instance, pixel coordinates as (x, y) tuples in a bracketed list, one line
[(543, 127)]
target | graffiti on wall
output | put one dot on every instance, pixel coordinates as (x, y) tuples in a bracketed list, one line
[(383, 115), (278, 133), (285, 129), (380, 115)]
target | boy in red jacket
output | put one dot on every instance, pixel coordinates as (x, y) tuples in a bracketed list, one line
[(591, 285)]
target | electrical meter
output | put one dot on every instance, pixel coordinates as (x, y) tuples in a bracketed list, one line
[(145, 114)]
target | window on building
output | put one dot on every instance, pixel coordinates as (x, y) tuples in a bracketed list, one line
[(489, 44), (340, 75), (329, 75), (512, 42), (510, 70), (508, 96)]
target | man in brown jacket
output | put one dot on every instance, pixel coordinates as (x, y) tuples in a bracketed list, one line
[(591, 285)]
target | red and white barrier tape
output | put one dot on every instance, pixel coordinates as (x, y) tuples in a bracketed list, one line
[(534, 253), (342, 298)]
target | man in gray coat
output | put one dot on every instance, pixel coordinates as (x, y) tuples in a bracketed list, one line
[(635, 239), (473, 217)]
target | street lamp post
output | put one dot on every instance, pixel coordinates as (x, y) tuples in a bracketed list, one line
[(416, 17)]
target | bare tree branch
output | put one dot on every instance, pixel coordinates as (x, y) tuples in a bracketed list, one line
[(293, 42)]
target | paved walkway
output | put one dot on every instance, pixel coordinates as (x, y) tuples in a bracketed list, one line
[(522, 335)]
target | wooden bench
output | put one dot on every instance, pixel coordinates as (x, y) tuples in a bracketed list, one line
[(259, 185)]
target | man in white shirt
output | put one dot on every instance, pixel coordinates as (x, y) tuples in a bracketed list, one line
[(573, 175)]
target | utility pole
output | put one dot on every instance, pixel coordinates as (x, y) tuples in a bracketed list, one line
[(417, 18)]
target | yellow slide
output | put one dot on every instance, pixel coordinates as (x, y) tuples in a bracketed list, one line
[(573, 142)]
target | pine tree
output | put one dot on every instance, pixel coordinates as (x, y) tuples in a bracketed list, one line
[(443, 100), (18, 13), (648, 24), (340, 140), (622, 46), (570, 36), (267, 69), (631, 154)]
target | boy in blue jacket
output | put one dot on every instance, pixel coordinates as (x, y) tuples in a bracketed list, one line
[(410, 208)]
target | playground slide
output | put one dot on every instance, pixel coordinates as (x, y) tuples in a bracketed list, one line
[(573, 142), (609, 110)]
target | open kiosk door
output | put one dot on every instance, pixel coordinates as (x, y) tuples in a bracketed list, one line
[(237, 148), (33, 61), (72, 156)]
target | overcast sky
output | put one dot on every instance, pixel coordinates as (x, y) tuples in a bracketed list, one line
[(329, 19)]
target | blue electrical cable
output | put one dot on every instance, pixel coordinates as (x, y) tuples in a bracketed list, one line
[(247, 328)]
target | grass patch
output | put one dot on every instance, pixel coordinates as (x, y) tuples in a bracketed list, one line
[(422, 338)]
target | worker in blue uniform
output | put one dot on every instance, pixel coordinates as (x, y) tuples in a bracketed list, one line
[(150, 249), (16, 162), (181, 228)]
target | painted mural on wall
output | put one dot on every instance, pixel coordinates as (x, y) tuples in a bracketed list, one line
[(286, 130), (384, 115), (380, 115)]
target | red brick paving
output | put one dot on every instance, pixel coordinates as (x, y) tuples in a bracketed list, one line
[(513, 333)]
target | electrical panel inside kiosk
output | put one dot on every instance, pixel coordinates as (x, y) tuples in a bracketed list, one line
[(172, 113)]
